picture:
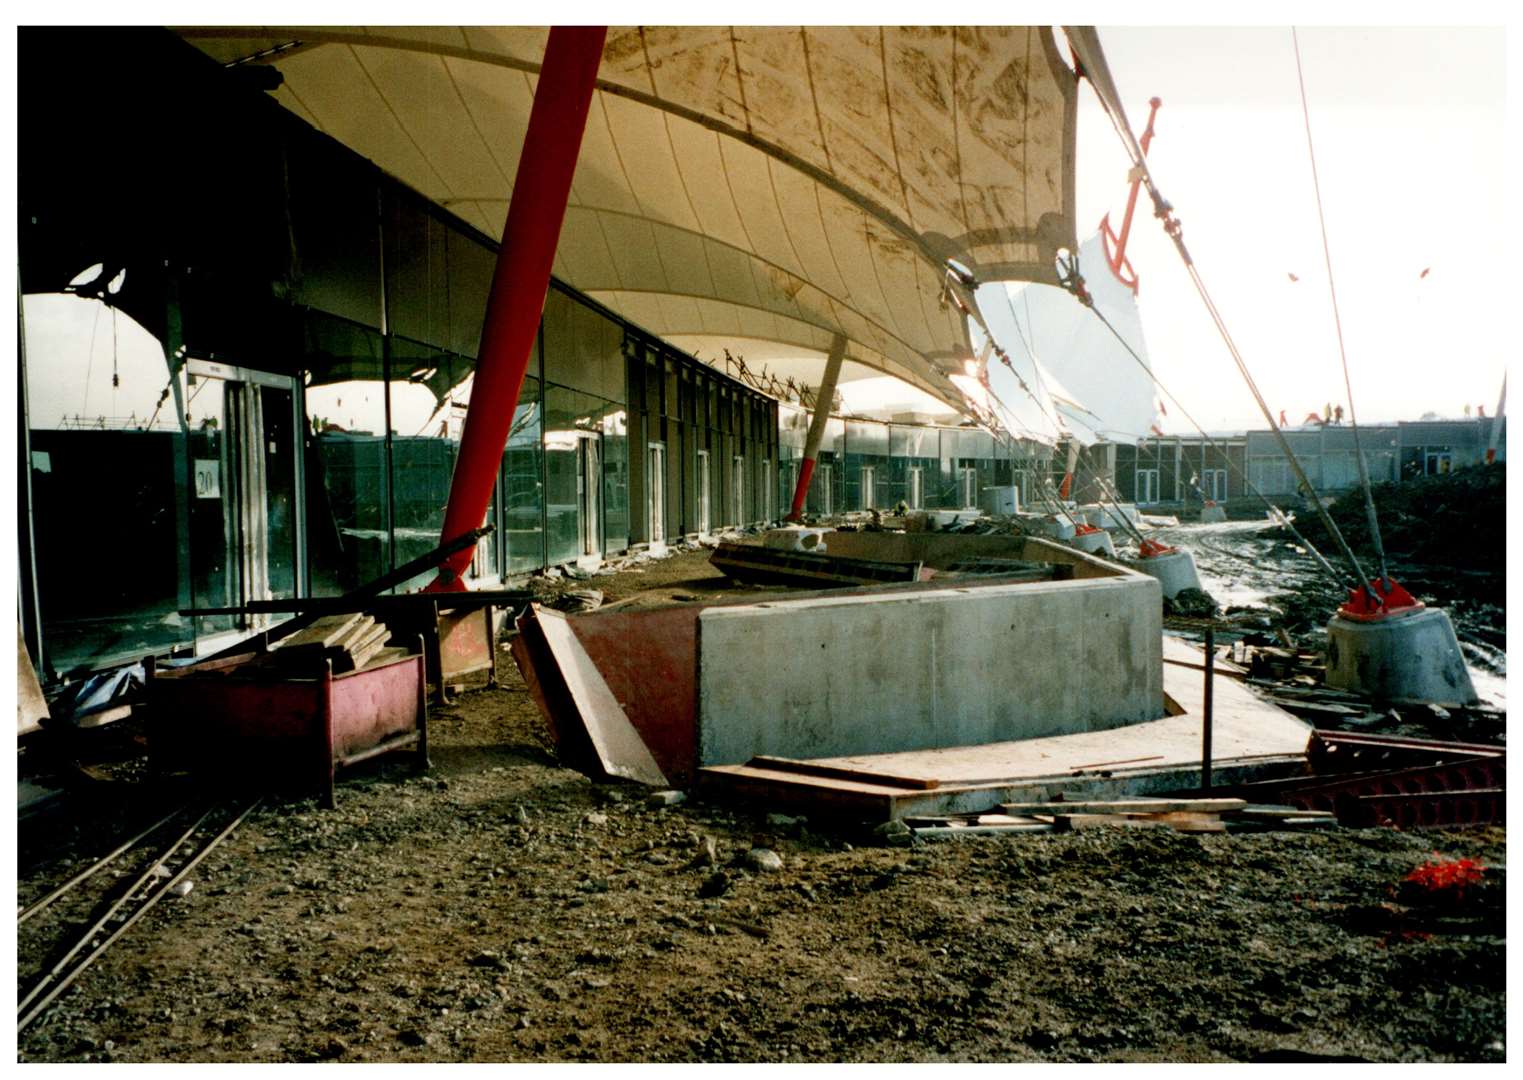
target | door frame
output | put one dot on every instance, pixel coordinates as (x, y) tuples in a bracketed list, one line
[(229, 373)]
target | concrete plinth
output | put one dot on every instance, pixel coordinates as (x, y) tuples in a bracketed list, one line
[(1174, 571), (798, 538), (1096, 543), (1401, 658), (1213, 515), (1107, 517), (1046, 525), (919, 668)]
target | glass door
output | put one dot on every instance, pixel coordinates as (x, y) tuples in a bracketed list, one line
[(589, 489), (655, 486), (738, 491), (245, 507), (703, 492)]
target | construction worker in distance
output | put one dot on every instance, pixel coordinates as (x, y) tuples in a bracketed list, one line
[(1282, 418), (1337, 414), (1327, 413)]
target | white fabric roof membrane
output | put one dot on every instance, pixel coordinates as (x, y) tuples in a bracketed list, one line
[(762, 185), (1067, 356)]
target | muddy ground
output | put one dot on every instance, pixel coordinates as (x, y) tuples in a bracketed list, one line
[(502, 908)]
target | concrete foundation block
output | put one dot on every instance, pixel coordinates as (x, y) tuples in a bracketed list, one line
[(1401, 658), (1106, 517), (1096, 543), (1213, 515), (1174, 571), (798, 538), (1045, 525), (917, 669)]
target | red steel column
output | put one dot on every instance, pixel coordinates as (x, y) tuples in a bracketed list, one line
[(822, 399), (541, 187)]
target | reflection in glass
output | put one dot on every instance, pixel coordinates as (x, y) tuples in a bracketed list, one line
[(522, 491), (108, 466)]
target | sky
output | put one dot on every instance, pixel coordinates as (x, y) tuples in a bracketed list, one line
[(1410, 150)]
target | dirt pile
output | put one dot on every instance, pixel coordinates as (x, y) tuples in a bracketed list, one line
[(503, 908), (1458, 519)]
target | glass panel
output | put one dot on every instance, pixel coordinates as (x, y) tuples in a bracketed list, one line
[(430, 392), (335, 232), (522, 490), (584, 350), (280, 490), (213, 575), (348, 539), (615, 480), (107, 461), (562, 526)]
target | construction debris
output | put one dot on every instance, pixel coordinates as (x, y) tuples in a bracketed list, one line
[(772, 566), (1204, 815)]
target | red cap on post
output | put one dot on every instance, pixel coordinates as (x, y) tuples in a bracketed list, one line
[(1395, 600)]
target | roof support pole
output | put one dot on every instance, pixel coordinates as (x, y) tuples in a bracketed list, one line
[(822, 399), (538, 207)]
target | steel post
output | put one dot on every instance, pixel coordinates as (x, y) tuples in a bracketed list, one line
[(1206, 719), (567, 78), (822, 399)]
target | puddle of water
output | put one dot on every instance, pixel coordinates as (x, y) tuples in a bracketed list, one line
[(1248, 563)]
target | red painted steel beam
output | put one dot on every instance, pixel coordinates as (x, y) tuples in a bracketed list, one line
[(540, 189), (822, 399)]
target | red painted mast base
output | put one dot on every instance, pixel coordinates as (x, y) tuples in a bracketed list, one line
[(806, 473), (1151, 549), (1394, 600), (541, 186)]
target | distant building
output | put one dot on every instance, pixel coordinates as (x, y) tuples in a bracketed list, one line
[(1159, 471), (1180, 469)]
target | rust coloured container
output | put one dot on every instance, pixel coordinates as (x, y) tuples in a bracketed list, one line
[(220, 717)]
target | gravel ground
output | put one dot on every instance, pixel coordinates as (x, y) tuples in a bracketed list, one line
[(502, 908)]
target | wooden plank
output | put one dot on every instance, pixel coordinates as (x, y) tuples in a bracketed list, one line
[(386, 656), (1179, 822), (1192, 822), (365, 649), (325, 632), (1126, 806), (1080, 822), (1270, 813), (360, 634), (839, 772), (939, 832)]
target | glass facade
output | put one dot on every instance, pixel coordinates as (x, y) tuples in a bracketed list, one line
[(923, 467)]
